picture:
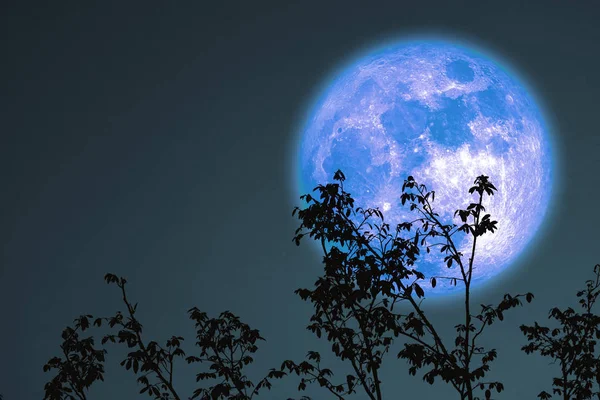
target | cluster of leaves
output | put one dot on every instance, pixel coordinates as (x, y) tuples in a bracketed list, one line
[(572, 344), (225, 343), (369, 271), (79, 366)]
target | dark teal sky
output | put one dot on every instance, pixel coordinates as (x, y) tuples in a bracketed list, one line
[(154, 141)]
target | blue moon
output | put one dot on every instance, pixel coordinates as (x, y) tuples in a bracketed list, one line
[(443, 113)]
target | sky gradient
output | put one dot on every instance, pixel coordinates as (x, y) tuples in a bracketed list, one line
[(155, 141)]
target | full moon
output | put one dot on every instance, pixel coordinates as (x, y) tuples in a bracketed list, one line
[(443, 113)]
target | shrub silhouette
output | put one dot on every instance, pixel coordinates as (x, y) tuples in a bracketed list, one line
[(572, 344), (368, 269)]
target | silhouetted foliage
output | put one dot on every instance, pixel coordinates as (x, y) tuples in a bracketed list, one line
[(369, 271), (82, 365), (572, 344), (225, 343)]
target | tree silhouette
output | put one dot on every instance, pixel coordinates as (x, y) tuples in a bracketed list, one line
[(572, 344), (226, 346), (369, 271)]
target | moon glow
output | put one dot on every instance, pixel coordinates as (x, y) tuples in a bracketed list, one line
[(444, 114)]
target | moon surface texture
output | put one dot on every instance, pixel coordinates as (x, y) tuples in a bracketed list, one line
[(444, 114)]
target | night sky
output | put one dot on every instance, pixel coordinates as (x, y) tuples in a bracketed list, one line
[(155, 141)]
